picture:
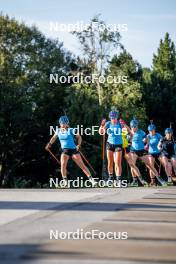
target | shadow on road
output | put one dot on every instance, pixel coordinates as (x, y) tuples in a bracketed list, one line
[(80, 206)]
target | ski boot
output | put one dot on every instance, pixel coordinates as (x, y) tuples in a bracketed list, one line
[(169, 181), (153, 182), (117, 182)]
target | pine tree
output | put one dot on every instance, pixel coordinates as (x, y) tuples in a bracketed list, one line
[(160, 85)]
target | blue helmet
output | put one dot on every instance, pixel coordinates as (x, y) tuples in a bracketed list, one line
[(134, 123), (168, 130), (151, 127), (64, 120), (114, 114)]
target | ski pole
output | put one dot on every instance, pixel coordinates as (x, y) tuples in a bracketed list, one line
[(103, 173), (87, 161), (54, 157), (127, 165), (171, 123), (159, 167)]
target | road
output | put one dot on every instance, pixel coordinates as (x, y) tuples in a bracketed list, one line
[(29, 216)]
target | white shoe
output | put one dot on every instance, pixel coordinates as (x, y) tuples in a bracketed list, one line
[(169, 180), (93, 182), (64, 183)]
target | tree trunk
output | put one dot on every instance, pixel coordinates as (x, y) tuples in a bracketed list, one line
[(100, 93)]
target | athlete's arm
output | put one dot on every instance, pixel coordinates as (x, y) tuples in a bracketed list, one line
[(52, 140), (160, 144), (144, 137), (127, 127), (102, 128), (147, 140), (79, 138), (123, 124)]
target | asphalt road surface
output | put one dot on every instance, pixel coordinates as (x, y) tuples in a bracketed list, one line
[(32, 221)]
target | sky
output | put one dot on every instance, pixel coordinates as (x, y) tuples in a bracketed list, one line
[(147, 21)]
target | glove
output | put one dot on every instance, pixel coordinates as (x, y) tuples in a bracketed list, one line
[(146, 147), (78, 147), (122, 122)]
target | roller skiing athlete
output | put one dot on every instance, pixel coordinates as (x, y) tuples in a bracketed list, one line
[(113, 128), (168, 155), (153, 138), (137, 151), (65, 134)]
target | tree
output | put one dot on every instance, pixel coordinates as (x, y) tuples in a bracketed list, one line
[(29, 104), (126, 96), (160, 84), (98, 42)]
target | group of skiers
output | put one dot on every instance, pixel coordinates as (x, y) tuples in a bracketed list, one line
[(153, 149)]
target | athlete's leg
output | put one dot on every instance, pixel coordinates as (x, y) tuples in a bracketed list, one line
[(167, 165), (168, 168), (64, 160), (173, 161), (133, 173), (151, 161), (150, 165), (78, 160), (127, 157), (110, 161), (131, 159), (118, 163), (134, 176)]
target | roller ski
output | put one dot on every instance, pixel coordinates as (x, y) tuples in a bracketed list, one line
[(153, 183), (93, 182), (143, 182), (161, 181), (134, 183)]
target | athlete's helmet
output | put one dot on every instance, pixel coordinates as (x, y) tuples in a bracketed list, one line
[(168, 130), (64, 120), (114, 114), (134, 123), (151, 127)]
